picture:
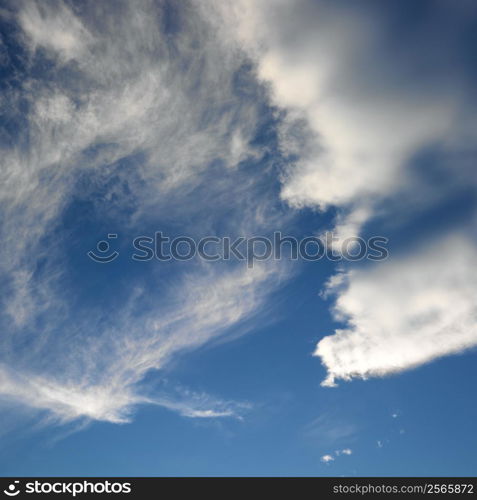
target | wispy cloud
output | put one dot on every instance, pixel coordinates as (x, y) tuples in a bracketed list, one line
[(160, 122), (96, 377), (200, 405), (122, 104), (331, 429)]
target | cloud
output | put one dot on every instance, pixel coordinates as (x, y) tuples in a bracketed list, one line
[(193, 404), (399, 314), (54, 27), (141, 121), (331, 429), (345, 451), (359, 103), (356, 110), (330, 458), (69, 402), (98, 377), (147, 117)]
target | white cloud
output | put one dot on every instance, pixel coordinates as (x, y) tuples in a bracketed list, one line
[(130, 90), (331, 429), (359, 118), (54, 27), (356, 115), (192, 404), (330, 458), (127, 89), (404, 312), (99, 377), (345, 451), (66, 402)]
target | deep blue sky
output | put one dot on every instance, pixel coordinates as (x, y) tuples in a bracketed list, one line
[(198, 121)]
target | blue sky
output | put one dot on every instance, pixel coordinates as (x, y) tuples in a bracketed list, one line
[(238, 120)]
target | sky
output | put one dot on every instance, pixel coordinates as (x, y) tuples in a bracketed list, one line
[(214, 119)]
